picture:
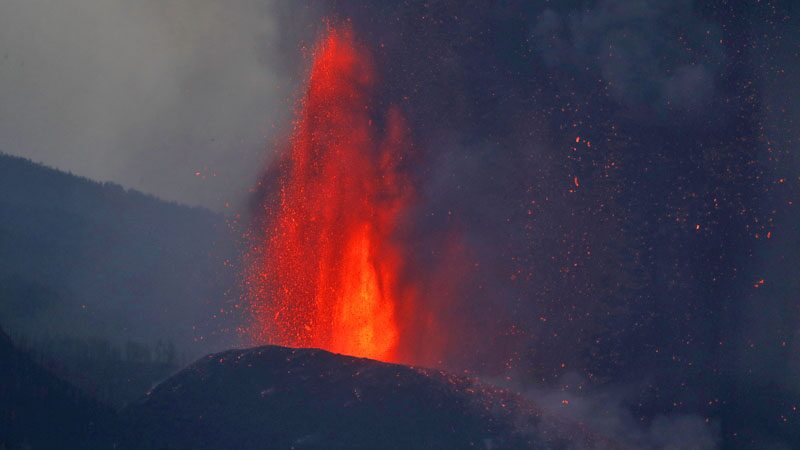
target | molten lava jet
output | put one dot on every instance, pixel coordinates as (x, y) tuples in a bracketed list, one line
[(327, 273)]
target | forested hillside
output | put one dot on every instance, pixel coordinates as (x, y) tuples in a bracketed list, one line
[(85, 259)]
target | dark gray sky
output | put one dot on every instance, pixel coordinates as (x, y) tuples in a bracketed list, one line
[(144, 93)]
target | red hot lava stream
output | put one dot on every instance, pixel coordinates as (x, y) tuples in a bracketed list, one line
[(328, 272)]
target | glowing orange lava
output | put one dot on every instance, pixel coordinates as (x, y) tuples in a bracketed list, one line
[(327, 274)]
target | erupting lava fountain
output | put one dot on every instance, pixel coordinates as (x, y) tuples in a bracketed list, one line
[(328, 271)]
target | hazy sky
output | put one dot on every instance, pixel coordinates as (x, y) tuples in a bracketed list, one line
[(145, 93)]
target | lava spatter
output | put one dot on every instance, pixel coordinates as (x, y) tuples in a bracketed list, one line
[(327, 272)]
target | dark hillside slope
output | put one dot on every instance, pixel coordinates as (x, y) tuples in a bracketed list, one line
[(82, 258), (279, 398), (40, 411)]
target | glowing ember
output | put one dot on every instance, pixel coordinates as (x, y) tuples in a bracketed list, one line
[(327, 273)]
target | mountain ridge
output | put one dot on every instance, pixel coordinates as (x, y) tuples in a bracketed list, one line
[(84, 260)]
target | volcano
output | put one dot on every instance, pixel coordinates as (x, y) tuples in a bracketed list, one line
[(277, 397)]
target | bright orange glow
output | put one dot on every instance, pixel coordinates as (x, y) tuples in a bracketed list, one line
[(364, 322), (327, 274)]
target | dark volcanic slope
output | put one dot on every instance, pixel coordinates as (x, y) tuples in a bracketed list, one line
[(41, 411), (275, 397)]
